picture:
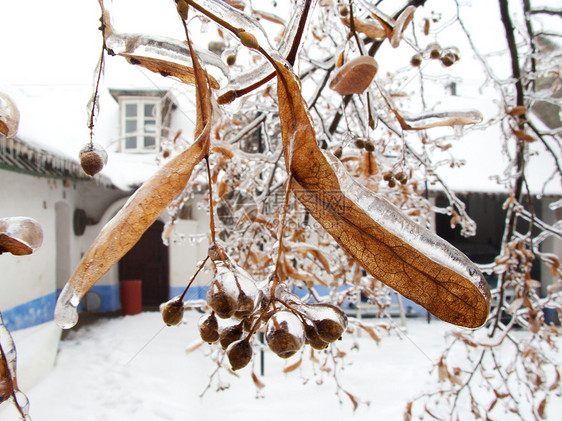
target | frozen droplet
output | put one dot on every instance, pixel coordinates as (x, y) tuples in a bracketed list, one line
[(9, 116), (66, 314), (284, 333)]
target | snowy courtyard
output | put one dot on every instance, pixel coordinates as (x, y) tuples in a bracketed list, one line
[(111, 370)]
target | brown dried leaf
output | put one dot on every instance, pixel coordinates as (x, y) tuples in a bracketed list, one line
[(460, 296), (541, 408), (259, 384), (522, 135), (122, 232), (372, 29), (353, 400), (556, 381), (355, 76), (194, 347), (517, 111), (293, 366), (371, 332), (401, 24)]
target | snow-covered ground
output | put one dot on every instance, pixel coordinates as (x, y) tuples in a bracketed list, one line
[(111, 370)]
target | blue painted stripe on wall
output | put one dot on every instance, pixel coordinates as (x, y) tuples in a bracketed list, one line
[(110, 297), (194, 293), (32, 313)]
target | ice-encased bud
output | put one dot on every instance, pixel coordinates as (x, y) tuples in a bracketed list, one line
[(239, 354), (209, 328), (93, 158), (9, 116), (312, 337), (248, 293), (330, 321), (284, 334), (449, 56), (20, 235), (223, 293), (172, 311)]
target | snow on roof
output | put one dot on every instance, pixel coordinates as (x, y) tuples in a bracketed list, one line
[(50, 71)]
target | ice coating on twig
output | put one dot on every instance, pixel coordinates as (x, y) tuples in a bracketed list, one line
[(9, 116), (168, 56), (441, 119), (383, 212), (249, 77), (8, 381)]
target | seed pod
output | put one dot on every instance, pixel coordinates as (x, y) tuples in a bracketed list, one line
[(400, 175), (248, 40), (9, 116), (209, 328), (387, 176), (449, 56), (227, 97), (448, 60), (92, 159), (360, 143), (172, 312), (230, 334), (338, 152), (284, 334), (231, 59), (434, 50), (369, 146), (20, 235), (313, 339), (246, 306), (416, 60), (344, 11), (239, 354), (182, 7), (330, 321), (391, 183)]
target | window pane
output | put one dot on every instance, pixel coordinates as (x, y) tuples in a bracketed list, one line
[(149, 141), (131, 142), (150, 126), (149, 110), (130, 110), (130, 126)]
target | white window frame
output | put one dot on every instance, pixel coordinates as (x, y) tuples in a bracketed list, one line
[(139, 135)]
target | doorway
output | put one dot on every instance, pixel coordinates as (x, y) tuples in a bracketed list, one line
[(148, 261)]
